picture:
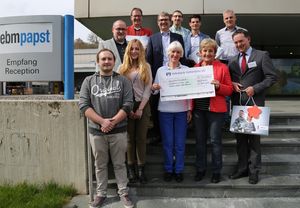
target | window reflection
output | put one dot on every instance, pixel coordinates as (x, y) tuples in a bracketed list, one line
[(288, 71)]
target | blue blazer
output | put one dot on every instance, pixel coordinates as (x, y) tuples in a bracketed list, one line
[(154, 53)]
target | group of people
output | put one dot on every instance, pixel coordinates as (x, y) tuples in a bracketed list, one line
[(119, 99)]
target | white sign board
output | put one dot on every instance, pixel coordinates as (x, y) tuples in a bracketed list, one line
[(33, 38)]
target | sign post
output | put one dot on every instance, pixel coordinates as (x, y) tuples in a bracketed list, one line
[(69, 57)]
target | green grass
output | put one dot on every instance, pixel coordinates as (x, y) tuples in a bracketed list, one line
[(24, 195)]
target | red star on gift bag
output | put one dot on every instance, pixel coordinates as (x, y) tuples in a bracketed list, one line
[(254, 112)]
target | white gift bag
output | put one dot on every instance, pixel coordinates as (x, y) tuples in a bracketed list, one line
[(250, 119)]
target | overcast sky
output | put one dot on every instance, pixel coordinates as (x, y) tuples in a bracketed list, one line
[(42, 7)]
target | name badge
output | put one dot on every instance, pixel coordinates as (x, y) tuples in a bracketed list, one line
[(252, 64)]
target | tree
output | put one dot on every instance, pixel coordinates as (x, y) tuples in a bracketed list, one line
[(80, 44), (93, 38)]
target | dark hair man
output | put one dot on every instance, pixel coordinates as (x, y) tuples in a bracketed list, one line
[(252, 72), (106, 99)]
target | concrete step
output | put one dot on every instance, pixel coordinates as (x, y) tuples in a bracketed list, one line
[(217, 203), (284, 128), (81, 201), (268, 186), (284, 119), (275, 164), (269, 145), (275, 131)]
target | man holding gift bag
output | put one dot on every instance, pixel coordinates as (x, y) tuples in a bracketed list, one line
[(252, 72)]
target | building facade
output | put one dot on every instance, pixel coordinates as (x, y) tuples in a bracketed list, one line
[(271, 23)]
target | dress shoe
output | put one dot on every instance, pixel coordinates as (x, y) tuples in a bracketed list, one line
[(237, 175), (199, 175), (168, 176), (215, 178), (253, 178), (179, 177)]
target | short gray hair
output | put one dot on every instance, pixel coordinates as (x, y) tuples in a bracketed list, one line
[(175, 45), (228, 11)]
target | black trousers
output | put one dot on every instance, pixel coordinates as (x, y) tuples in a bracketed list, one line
[(249, 153)]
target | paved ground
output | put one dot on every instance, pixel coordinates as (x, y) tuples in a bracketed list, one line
[(277, 107), (82, 201)]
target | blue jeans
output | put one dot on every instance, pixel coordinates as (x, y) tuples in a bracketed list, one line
[(173, 128), (208, 124)]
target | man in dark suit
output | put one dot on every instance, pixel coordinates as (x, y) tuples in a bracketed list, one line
[(252, 72), (157, 56), (157, 47)]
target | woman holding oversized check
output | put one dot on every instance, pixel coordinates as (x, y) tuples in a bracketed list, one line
[(208, 113), (173, 118)]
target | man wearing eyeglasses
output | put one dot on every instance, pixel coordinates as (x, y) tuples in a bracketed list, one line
[(177, 19), (117, 44), (159, 42), (157, 56), (136, 29)]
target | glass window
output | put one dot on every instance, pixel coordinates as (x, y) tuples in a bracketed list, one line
[(288, 71)]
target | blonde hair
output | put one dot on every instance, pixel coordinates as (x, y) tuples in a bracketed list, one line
[(128, 62), (208, 42)]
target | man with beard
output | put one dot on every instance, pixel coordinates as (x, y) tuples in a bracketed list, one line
[(117, 44), (106, 100)]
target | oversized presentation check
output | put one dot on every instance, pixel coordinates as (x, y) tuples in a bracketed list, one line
[(186, 83)]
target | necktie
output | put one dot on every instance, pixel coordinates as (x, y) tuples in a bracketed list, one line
[(244, 63)]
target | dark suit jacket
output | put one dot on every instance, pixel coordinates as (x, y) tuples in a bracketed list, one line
[(261, 76), (154, 54)]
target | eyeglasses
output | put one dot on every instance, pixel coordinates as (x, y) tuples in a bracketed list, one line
[(179, 16), (163, 20)]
